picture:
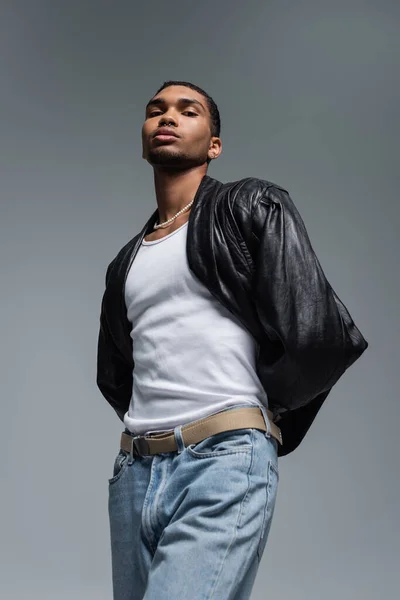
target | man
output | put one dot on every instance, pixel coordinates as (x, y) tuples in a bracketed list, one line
[(220, 338)]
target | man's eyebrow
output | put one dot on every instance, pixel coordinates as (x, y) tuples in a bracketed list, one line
[(184, 101)]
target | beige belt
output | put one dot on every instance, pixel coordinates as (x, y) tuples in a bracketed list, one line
[(196, 431)]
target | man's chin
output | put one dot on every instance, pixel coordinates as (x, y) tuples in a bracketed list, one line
[(161, 157)]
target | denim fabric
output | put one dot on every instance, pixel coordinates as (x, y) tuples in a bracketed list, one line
[(193, 523)]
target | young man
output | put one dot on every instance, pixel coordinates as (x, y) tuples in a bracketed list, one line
[(220, 338)]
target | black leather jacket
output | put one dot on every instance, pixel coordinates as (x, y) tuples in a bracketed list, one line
[(247, 243)]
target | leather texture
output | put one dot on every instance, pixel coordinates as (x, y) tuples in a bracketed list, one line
[(247, 243)]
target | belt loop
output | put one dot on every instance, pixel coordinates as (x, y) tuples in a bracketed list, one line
[(267, 423), (130, 454), (179, 439), (132, 451), (131, 459)]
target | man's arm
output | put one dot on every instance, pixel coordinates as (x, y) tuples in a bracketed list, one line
[(313, 337)]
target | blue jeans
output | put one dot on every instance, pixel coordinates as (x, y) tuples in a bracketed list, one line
[(193, 523)]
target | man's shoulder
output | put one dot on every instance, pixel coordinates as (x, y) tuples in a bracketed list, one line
[(251, 185), (249, 190)]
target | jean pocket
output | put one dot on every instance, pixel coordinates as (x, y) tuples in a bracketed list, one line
[(223, 443), (271, 491), (119, 465)]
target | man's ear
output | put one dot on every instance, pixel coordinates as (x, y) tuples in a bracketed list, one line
[(215, 148)]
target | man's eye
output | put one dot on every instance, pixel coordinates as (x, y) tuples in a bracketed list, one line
[(190, 112), (154, 113)]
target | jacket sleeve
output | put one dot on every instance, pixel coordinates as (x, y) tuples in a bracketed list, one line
[(114, 373), (312, 338)]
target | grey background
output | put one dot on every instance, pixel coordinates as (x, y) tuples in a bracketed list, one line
[(309, 97)]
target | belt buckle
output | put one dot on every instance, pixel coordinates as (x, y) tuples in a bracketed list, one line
[(140, 446)]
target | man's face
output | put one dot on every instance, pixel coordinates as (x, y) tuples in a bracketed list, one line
[(183, 112)]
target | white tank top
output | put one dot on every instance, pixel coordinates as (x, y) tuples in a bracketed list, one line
[(192, 357)]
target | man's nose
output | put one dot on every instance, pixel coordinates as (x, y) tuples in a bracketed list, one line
[(167, 119)]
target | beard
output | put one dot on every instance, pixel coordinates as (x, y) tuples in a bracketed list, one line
[(162, 156)]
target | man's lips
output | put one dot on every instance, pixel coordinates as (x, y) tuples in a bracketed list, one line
[(165, 134)]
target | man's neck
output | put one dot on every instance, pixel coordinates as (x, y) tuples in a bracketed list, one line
[(174, 190)]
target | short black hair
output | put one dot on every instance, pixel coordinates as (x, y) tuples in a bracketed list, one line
[(212, 107)]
